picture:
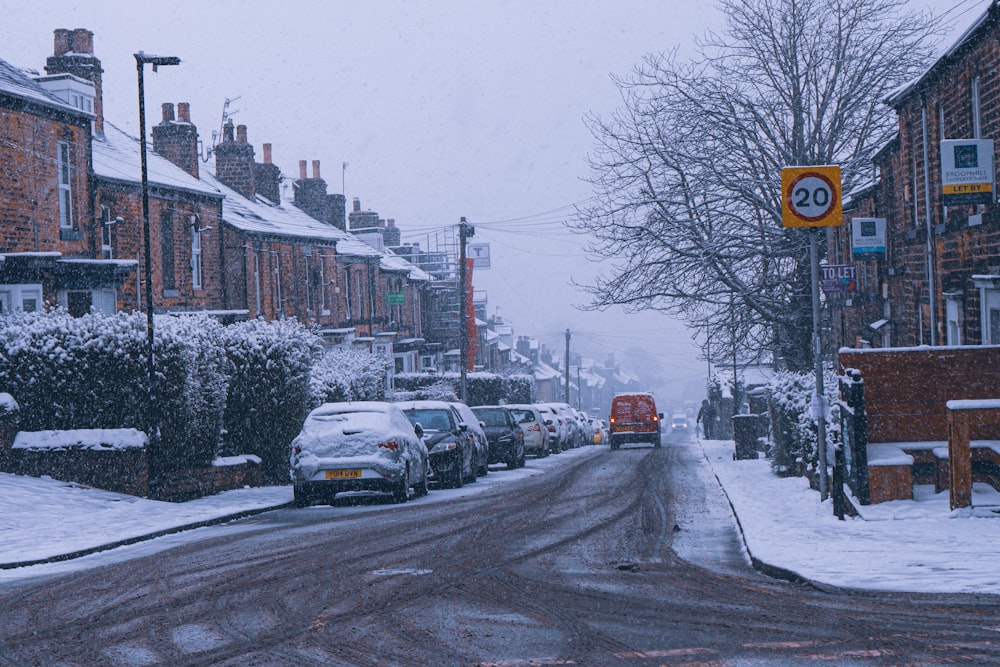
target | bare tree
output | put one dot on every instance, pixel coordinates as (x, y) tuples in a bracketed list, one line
[(686, 174)]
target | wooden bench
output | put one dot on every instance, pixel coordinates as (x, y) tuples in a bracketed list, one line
[(963, 415)]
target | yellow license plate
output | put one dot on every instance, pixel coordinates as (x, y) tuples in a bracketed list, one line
[(347, 473)]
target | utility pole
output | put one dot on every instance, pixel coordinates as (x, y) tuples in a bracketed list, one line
[(465, 230), (566, 391)]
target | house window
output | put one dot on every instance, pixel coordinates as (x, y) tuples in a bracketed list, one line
[(107, 225), (167, 250), (26, 298), (347, 294), (79, 302), (65, 189), (196, 265), (991, 324), (953, 325)]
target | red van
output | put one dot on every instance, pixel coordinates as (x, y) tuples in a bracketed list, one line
[(634, 419)]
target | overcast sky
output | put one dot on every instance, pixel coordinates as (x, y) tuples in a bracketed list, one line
[(441, 109)]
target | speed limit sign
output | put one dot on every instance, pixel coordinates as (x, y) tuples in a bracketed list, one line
[(810, 197)]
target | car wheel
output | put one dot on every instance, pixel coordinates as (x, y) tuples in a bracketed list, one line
[(520, 461), (422, 488), (401, 493), (302, 499), (484, 469), (458, 475)]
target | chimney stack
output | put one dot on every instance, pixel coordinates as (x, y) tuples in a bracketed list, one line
[(315, 168), (177, 140), (73, 53), (302, 170), (267, 177), (234, 161)]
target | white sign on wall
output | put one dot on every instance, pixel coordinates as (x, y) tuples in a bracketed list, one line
[(967, 171), (868, 236)]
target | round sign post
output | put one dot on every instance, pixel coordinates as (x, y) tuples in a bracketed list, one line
[(810, 197)]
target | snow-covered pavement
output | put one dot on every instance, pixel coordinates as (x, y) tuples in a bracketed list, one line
[(902, 546)]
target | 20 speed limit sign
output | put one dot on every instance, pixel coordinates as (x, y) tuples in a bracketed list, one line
[(810, 197)]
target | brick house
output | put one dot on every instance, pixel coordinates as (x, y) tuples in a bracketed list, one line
[(48, 231), (939, 280)]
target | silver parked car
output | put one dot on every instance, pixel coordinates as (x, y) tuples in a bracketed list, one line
[(361, 446), (536, 433)]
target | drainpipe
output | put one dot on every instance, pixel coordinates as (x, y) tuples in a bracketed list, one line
[(932, 320)]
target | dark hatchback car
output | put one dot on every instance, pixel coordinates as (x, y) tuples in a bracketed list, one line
[(503, 433)]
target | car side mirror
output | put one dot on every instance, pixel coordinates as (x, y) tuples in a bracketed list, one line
[(548, 422), (482, 425), (463, 427), (419, 430), (661, 415)]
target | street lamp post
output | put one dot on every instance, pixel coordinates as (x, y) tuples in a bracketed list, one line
[(141, 60)]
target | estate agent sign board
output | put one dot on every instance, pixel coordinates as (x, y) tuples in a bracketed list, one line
[(967, 171)]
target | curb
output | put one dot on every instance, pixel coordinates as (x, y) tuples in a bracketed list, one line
[(142, 538), (767, 569)]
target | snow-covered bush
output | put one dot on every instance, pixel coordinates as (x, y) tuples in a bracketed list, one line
[(270, 364), (91, 372), (793, 429), (348, 374)]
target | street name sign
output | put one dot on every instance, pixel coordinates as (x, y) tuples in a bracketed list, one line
[(810, 196)]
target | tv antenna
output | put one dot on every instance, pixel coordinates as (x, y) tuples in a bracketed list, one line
[(217, 134)]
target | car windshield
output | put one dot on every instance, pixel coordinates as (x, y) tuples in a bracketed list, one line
[(429, 420)]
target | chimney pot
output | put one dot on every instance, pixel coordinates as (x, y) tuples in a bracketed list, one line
[(83, 41), (63, 41), (391, 222), (302, 170), (316, 169), (168, 112), (267, 153), (184, 112), (357, 204), (241, 134), (227, 132)]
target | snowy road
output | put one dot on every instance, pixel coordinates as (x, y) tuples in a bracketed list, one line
[(606, 558)]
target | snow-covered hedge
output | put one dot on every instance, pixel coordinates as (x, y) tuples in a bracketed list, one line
[(90, 372), (349, 374), (793, 429), (482, 388), (221, 391), (270, 364)]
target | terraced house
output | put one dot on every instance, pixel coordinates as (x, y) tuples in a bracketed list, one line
[(924, 234), (229, 235)]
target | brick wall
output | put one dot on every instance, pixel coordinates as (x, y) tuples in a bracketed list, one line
[(906, 389)]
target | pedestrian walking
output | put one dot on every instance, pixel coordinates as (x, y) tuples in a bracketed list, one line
[(706, 417)]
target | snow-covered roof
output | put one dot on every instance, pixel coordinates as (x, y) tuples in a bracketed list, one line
[(545, 372), (392, 262), (18, 82), (261, 216), (903, 91), (117, 156)]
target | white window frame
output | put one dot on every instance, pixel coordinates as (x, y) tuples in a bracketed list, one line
[(991, 313), (107, 251), (102, 300), (13, 297), (197, 266), (953, 321), (65, 181)]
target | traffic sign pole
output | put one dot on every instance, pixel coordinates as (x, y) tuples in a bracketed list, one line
[(810, 197)]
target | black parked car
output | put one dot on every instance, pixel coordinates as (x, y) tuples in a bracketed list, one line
[(505, 436), (446, 437)]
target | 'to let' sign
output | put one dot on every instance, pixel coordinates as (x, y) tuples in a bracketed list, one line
[(810, 196)]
